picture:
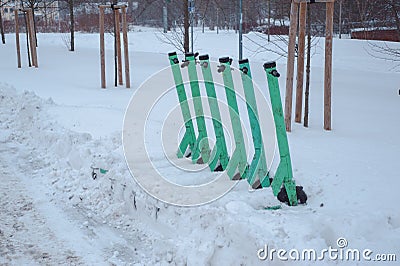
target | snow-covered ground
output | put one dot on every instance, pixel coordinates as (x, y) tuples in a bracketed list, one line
[(56, 123)]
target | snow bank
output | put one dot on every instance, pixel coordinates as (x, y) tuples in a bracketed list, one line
[(61, 160)]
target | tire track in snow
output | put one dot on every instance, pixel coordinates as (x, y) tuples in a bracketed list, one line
[(28, 162), (24, 234), (61, 234)]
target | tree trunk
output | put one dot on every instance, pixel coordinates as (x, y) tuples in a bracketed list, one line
[(45, 16), (130, 8), (72, 24), (34, 25), (115, 48), (308, 67), (186, 26), (396, 16), (217, 21), (340, 18), (269, 20), (27, 39), (3, 37)]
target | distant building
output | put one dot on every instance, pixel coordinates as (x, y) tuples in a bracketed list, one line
[(93, 8), (48, 11), (7, 12), (45, 10), (379, 34)]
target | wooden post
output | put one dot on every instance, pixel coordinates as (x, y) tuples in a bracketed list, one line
[(30, 35), (126, 52), (33, 39), (300, 61), (102, 56), (27, 38), (17, 42), (300, 67), (328, 65), (290, 65), (118, 46)]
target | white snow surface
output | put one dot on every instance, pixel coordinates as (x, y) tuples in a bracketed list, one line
[(56, 122)]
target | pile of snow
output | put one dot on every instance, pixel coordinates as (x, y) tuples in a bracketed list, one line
[(58, 162)]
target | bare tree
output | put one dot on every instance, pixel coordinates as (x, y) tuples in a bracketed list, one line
[(385, 51), (365, 11), (395, 8), (276, 44), (186, 25), (71, 24), (3, 37), (71, 6), (308, 67), (175, 38), (387, 13), (340, 18), (179, 33), (32, 4)]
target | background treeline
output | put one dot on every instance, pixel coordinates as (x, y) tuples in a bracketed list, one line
[(211, 14)]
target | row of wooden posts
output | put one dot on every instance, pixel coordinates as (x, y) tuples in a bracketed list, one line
[(298, 17), (31, 42), (297, 23), (31, 39), (117, 45)]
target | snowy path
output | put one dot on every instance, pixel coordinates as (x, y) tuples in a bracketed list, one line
[(34, 229), (46, 217), (25, 236)]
